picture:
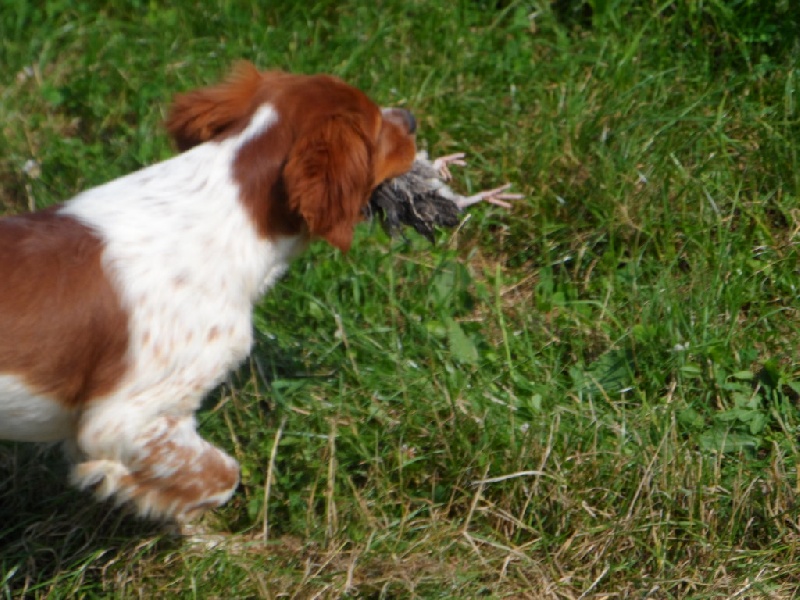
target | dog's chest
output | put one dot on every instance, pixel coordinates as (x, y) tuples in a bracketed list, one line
[(191, 318)]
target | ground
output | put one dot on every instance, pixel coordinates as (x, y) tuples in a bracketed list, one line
[(592, 395)]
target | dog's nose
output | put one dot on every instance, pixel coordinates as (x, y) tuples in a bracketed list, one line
[(403, 115), (410, 121)]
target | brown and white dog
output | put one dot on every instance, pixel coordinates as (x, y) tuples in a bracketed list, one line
[(121, 308)]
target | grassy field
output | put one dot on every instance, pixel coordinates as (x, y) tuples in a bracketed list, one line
[(594, 395)]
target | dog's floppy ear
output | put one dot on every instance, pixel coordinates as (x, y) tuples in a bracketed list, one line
[(328, 178), (205, 114)]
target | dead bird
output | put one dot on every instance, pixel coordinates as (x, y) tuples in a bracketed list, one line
[(422, 199)]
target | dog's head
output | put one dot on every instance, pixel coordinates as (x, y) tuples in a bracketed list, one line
[(311, 148)]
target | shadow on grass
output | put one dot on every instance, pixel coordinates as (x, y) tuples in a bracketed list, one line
[(53, 538)]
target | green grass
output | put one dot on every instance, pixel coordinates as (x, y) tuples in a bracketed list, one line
[(594, 395)]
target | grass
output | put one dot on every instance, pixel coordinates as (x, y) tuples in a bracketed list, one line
[(595, 395)]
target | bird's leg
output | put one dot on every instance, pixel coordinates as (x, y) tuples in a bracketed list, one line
[(442, 164), (497, 196)]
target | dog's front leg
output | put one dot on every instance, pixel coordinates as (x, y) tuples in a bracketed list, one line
[(164, 469)]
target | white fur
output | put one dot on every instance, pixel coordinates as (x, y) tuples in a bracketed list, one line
[(186, 258), (29, 417)]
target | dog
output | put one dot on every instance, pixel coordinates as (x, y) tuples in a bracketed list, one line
[(122, 307)]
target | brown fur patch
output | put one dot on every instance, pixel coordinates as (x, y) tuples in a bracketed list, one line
[(63, 329)]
